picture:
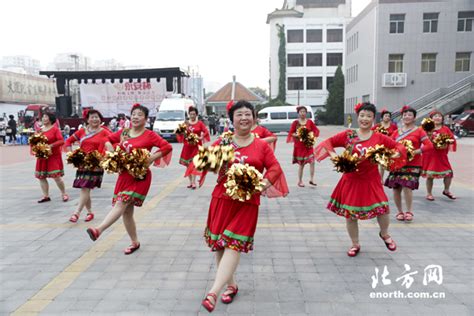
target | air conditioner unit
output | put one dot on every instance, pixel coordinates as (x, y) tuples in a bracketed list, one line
[(394, 80)]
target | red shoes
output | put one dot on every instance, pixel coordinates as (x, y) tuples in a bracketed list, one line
[(228, 298), (207, 302), (449, 195), (132, 248), (353, 251), (44, 199), (74, 217), (89, 217), (408, 216), (65, 197), (94, 233), (391, 245)]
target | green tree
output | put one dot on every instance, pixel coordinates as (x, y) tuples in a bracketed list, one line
[(335, 101), (282, 63), (260, 92)]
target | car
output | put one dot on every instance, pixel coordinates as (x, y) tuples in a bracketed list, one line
[(279, 118), (465, 123)]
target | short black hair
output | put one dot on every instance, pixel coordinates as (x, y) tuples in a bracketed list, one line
[(90, 112), (367, 106), (382, 114), (140, 107), (240, 104), (51, 116), (409, 109), (193, 109), (11, 116)]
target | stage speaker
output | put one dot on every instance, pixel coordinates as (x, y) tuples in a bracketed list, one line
[(63, 106), (169, 84)]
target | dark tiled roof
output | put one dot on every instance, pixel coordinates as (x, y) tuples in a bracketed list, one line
[(224, 94), (320, 3)]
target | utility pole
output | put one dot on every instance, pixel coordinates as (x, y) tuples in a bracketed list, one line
[(76, 85)]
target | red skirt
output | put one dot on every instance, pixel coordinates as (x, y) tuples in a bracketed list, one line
[(302, 154), (359, 198), (128, 189), (187, 154), (231, 224), (436, 165), (49, 168)]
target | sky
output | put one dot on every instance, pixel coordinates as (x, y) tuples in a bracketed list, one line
[(219, 38)]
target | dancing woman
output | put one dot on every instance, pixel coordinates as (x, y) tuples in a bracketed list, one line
[(90, 138), (130, 192), (231, 224), (194, 125), (359, 195), (51, 167), (436, 162), (407, 178), (302, 155)]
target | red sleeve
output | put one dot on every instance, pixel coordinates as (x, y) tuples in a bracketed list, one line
[(74, 138), (205, 133), (425, 140), (290, 137), (373, 128), (323, 149), (274, 174), (114, 138), (59, 139), (399, 162), (164, 147), (314, 128)]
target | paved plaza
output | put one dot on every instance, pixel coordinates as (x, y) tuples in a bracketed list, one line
[(49, 266)]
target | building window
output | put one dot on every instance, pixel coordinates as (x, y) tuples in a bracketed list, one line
[(295, 60), (329, 81), (295, 36), (395, 63), (465, 19), (314, 83), (430, 22), (334, 59), (397, 23), (295, 83), (314, 36), (366, 98), (334, 35), (314, 60), (463, 62), (428, 62)]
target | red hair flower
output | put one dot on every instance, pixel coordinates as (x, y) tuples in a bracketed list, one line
[(84, 113), (229, 105), (405, 108), (357, 107)]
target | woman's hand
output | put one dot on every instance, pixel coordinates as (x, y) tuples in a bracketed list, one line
[(395, 155), (266, 184)]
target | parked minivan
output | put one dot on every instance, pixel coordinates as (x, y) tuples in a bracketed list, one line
[(172, 112), (279, 118), (465, 123)]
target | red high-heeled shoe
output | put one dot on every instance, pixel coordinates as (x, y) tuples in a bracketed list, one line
[(228, 298), (208, 304), (93, 233)]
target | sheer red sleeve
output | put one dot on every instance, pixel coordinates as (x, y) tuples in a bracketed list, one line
[(323, 149), (274, 174), (289, 138), (73, 138), (205, 133), (314, 129), (164, 147), (425, 141), (114, 138)]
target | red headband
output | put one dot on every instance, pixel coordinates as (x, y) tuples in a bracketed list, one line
[(405, 108), (433, 113)]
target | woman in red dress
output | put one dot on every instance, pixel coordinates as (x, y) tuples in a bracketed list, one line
[(190, 150), (91, 137), (435, 162), (302, 155), (231, 224), (130, 192), (51, 167), (265, 135), (359, 195), (407, 178), (390, 127)]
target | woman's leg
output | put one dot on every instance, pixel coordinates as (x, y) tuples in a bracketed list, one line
[(447, 184), (429, 186), (352, 226), (300, 174), (44, 187), (225, 271), (311, 171), (113, 216), (384, 222), (60, 183), (397, 198), (83, 198), (129, 223), (408, 199)]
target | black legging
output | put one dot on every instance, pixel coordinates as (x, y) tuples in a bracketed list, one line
[(12, 137)]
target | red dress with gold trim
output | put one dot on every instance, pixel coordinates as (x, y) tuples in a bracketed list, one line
[(262, 132), (89, 142), (231, 223), (359, 194), (51, 167), (409, 175), (435, 161), (189, 151), (302, 154), (127, 187)]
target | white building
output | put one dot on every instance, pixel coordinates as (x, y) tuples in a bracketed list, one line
[(21, 64), (107, 64), (71, 62), (414, 52), (315, 37)]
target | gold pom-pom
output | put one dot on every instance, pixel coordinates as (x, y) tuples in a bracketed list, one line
[(442, 141), (306, 136), (208, 158), (192, 138), (380, 155), (42, 150), (37, 138), (382, 130), (427, 124), (76, 158), (227, 154), (346, 162), (409, 147), (114, 161), (226, 138), (243, 181), (182, 129), (136, 163), (92, 160)]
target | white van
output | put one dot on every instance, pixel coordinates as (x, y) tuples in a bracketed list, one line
[(172, 112), (279, 118)]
